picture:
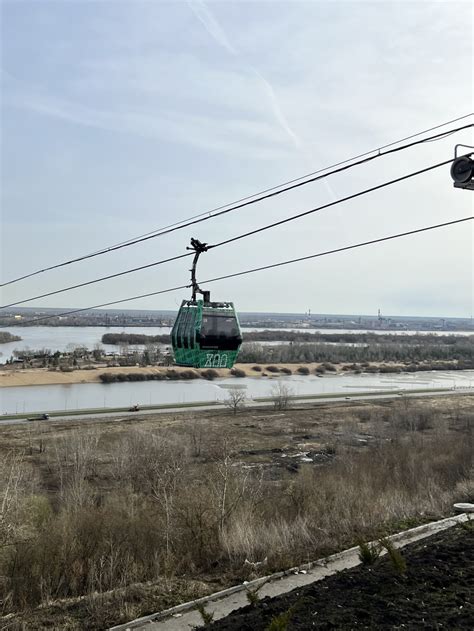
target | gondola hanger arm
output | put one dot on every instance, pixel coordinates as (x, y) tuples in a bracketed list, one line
[(198, 249)]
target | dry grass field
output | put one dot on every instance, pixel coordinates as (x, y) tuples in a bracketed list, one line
[(105, 520)]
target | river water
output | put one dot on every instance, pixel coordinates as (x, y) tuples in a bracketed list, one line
[(81, 396), (63, 338), (77, 396)]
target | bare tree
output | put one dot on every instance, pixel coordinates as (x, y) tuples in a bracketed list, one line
[(124, 348), (196, 437), (164, 488), (75, 460), (231, 486), (98, 351), (11, 478), (408, 416), (154, 353), (236, 400), (156, 466), (281, 394)]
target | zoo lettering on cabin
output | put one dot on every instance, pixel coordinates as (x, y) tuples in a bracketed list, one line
[(216, 360)]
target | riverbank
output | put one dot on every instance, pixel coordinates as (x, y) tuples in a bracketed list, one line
[(13, 377), (46, 377)]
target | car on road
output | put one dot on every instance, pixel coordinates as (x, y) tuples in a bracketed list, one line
[(40, 417)]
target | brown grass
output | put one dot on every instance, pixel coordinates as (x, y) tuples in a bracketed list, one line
[(184, 500)]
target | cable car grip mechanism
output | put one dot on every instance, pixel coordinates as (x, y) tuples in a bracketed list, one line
[(198, 248)]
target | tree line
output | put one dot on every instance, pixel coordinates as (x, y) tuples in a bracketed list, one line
[(135, 338), (399, 351), (300, 337), (6, 337)]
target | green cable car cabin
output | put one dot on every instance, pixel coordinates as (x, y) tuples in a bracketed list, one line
[(205, 334)]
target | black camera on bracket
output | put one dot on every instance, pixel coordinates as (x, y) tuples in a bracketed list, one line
[(462, 172)]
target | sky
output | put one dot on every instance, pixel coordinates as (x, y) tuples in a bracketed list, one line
[(120, 117)]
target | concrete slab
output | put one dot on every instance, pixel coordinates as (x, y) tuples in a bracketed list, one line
[(464, 507)]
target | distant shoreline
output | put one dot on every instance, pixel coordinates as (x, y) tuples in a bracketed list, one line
[(45, 377), (342, 327)]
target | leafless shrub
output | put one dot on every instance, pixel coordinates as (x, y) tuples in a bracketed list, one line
[(466, 423), (236, 400), (196, 437), (209, 374), (281, 394), (410, 417), (238, 372), (11, 479), (156, 467), (74, 460), (228, 484)]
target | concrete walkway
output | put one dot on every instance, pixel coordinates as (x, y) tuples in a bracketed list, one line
[(184, 617)]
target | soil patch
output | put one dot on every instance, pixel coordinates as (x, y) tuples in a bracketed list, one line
[(436, 592)]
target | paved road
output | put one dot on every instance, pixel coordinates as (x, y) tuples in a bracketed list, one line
[(317, 400)]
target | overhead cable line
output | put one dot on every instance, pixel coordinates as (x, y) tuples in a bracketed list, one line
[(302, 177), (97, 280), (329, 204), (238, 237), (258, 197), (343, 249), (254, 269), (377, 151)]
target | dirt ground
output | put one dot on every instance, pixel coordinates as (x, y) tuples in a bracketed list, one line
[(435, 592), (277, 441)]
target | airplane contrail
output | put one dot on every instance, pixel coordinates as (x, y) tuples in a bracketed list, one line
[(207, 19), (212, 26)]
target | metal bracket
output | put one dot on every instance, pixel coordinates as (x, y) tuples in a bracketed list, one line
[(198, 248), (465, 146)]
